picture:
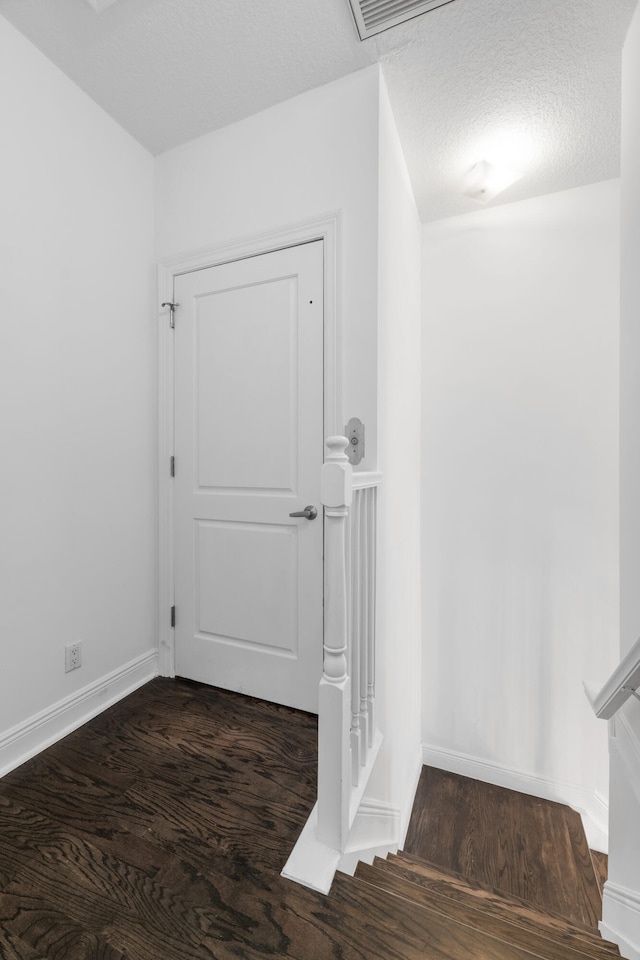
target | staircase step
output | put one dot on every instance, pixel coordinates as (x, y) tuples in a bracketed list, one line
[(536, 938), (526, 846), (586, 878), (446, 883), (418, 931)]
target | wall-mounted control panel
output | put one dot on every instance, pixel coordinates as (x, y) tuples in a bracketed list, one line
[(354, 432)]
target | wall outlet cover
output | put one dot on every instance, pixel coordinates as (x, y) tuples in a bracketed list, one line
[(73, 656)]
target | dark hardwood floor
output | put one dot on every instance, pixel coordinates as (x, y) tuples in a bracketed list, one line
[(531, 848), (158, 832)]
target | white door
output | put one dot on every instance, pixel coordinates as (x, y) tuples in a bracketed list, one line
[(248, 453)]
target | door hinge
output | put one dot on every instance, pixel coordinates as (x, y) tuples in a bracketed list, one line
[(173, 616), (172, 466)]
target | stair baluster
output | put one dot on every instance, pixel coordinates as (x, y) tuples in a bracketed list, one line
[(358, 735), (362, 639), (372, 507)]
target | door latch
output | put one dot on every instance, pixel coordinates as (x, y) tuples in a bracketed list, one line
[(354, 432)]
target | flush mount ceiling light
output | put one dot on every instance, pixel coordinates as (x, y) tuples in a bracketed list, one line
[(100, 5), (486, 180), (373, 16)]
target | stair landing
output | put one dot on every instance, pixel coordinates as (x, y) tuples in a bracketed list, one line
[(533, 849)]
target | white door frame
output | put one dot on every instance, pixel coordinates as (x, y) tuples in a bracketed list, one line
[(326, 229)]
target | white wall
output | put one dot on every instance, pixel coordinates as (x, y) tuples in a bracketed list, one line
[(630, 344), (520, 490), (76, 387), (621, 907), (312, 156), (399, 415)]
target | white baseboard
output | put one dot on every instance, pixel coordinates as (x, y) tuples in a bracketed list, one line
[(621, 919), (375, 833), (405, 815), (357, 794), (591, 806), (378, 828), (312, 863), (35, 734), (595, 820)]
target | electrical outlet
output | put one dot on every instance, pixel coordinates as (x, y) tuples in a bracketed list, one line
[(72, 656)]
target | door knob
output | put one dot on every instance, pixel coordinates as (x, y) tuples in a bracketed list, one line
[(309, 513)]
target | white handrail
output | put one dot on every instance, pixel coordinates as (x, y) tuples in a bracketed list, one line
[(622, 684), (365, 478)]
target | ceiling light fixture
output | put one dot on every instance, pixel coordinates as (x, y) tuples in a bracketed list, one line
[(486, 180)]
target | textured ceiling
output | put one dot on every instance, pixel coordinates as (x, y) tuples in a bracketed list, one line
[(533, 83)]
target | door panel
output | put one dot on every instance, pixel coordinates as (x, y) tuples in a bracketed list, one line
[(249, 448), (251, 560), (259, 452)]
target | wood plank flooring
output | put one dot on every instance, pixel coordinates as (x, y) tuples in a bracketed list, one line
[(403, 882), (158, 831), (494, 903), (531, 848)]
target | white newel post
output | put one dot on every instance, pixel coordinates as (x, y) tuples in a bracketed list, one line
[(334, 708)]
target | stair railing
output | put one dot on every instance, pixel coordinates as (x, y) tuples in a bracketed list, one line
[(622, 684), (347, 737), (361, 586)]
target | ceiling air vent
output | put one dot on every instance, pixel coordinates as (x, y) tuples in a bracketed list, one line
[(373, 16), (100, 5)]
